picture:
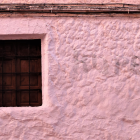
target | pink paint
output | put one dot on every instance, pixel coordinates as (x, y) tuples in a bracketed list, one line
[(71, 1), (90, 79)]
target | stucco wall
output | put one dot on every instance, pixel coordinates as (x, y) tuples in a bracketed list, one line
[(71, 1), (90, 76)]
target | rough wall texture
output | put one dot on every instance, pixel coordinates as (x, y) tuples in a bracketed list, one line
[(91, 90), (71, 1)]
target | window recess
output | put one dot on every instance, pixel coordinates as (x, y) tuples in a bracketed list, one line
[(20, 73)]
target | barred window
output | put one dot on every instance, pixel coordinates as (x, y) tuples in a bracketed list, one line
[(20, 73)]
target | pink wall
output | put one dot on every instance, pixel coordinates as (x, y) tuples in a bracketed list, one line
[(71, 1), (90, 75)]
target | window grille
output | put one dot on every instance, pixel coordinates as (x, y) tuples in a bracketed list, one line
[(20, 73)]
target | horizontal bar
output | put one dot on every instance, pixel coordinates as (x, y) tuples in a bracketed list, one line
[(38, 73), (70, 8), (8, 57), (20, 90)]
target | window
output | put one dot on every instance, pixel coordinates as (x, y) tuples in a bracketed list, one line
[(20, 73)]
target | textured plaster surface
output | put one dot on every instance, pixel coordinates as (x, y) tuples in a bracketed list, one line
[(90, 76), (71, 1)]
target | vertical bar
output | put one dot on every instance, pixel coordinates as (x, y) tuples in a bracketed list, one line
[(16, 73), (29, 70), (2, 77)]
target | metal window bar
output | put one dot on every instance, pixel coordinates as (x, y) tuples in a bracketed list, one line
[(21, 90), (24, 57), (2, 78), (16, 75), (29, 71), (24, 73)]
